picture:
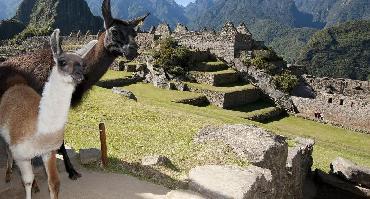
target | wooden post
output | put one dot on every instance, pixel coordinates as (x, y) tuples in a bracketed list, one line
[(103, 145)]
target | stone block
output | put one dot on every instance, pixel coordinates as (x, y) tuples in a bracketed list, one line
[(216, 182), (155, 160)]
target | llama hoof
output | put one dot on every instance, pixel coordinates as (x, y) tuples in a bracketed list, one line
[(35, 187), (7, 177), (74, 175)]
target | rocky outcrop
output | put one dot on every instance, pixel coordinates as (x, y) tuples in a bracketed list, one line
[(350, 171), (264, 81), (231, 182)]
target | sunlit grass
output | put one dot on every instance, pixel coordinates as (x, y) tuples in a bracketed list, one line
[(155, 125)]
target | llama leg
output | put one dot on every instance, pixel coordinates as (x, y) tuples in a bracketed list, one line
[(50, 163), (35, 187), (72, 173), (9, 165), (27, 175)]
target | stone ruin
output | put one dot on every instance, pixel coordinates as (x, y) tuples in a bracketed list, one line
[(342, 102), (225, 45)]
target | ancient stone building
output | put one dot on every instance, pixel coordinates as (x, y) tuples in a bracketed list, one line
[(226, 44), (343, 102)]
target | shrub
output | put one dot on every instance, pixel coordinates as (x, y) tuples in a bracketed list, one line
[(286, 82), (173, 58)]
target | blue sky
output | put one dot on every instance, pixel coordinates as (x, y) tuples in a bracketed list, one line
[(184, 2)]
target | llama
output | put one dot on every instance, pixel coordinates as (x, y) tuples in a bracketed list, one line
[(117, 40), (33, 125)]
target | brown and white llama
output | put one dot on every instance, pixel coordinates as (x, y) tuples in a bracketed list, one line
[(117, 40), (33, 125)]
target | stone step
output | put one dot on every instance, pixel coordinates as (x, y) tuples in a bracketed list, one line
[(219, 78), (227, 97)]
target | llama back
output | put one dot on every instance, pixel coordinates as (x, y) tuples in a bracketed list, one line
[(17, 115), (34, 67)]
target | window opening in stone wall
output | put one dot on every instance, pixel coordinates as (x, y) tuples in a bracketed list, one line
[(330, 100), (341, 102)]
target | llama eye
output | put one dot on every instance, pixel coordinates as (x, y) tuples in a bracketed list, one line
[(62, 63)]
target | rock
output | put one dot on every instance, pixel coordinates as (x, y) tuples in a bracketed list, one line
[(178, 85), (231, 182), (88, 156), (183, 194), (351, 171), (258, 146), (156, 160), (157, 76), (342, 184), (298, 166), (125, 93)]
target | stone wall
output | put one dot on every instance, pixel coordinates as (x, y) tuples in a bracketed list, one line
[(347, 87), (337, 109)]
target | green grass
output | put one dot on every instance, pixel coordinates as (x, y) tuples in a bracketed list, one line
[(155, 125), (223, 72), (226, 89), (111, 75)]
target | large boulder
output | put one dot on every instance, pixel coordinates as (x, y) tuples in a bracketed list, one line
[(231, 182), (256, 145), (350, 171)]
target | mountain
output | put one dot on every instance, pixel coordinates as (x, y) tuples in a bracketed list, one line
[(220, 11), (40, 17), (332, 12), (161, 11), (339, 51)]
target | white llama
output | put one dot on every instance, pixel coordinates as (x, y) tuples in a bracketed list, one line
[(33, 125)]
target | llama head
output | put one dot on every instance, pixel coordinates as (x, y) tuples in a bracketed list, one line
[(68, 65), (120, 34)]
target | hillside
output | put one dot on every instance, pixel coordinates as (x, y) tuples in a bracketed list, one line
[(161, 10), (41, 16), (219, 11), (331, 12), (339, 51)]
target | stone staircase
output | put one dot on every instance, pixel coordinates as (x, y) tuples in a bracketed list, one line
[(224, 88)]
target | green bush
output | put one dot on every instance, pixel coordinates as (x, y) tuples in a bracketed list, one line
[(173, 58), (286, 82)]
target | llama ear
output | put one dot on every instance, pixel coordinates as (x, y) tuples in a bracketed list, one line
[(55, 43), (138, 21), (107, 14)]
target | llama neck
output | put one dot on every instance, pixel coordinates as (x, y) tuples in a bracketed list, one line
[(97, 62), (55, 103)]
